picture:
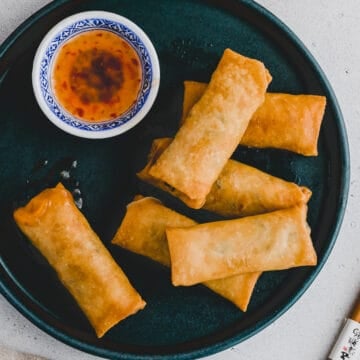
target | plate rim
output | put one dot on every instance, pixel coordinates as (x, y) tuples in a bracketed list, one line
[(344, 158)]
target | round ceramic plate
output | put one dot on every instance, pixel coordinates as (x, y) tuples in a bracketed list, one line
[(189, 37)]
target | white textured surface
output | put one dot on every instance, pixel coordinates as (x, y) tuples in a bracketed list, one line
[(330, 29)]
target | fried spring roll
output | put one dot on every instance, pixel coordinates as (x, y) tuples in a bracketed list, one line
[(214, 127), (157, 148), (283, 121), (240, 190), (273, 241), (143, 232), (61, 233)]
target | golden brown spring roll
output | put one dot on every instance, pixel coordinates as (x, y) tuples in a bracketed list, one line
[(283, 121), (214, 127), (273, 241), (193, 91), (61, 233), (143, 232), (240, 190), (143, 228), (157, 148)]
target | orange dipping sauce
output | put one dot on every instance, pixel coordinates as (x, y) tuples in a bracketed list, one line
[(96, 76)]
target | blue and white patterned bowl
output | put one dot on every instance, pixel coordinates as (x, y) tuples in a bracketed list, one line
[(77, 24)]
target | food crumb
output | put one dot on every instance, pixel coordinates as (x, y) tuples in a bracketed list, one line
[(65, 174), (76, 192), (79, 203)]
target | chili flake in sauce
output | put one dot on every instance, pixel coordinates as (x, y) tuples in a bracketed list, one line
[(97, 76)]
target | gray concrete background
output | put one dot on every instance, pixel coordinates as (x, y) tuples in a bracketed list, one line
[(330, 29)]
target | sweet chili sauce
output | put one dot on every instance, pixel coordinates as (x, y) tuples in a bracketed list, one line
[(96, 76)]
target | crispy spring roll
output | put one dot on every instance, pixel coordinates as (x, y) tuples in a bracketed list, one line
[(61, 233), (273, 241), (157, 148), (143, 232), (214, 127), (283, 121), (193, 91), (240, 190)]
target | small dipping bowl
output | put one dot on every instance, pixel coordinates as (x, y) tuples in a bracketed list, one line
[(96, 74)]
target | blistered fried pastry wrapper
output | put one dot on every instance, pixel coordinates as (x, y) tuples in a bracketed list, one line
[(193, 91), (240, 190), (283, 121), (273, 241), (157, 148), (143, 231), (61, 233), (143, 228), (214, 127)]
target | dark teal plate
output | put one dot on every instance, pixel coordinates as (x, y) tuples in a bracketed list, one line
[(190, 37)]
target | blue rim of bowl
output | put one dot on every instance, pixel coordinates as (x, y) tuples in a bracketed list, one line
[(71, 27)]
